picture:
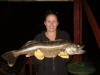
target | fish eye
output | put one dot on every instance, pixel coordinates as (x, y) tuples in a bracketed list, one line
[(78, 45)]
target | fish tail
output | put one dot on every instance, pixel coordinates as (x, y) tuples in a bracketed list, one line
[(10, 57)]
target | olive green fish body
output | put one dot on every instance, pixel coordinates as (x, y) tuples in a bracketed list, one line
[(49, 49)]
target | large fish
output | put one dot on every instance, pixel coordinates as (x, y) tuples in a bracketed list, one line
[(49, 49)]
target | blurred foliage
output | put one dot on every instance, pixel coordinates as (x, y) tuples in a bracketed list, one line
[(81, 68)]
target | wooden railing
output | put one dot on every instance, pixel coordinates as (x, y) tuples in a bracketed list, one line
[(93, 23), (78, 5), (77, 26)]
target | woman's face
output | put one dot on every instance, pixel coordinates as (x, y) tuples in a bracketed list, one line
[(51, 23)]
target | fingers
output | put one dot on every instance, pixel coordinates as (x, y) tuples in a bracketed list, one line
[(63, 55), (39, 55)]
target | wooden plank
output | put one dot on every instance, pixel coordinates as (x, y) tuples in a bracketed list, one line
[(77, 26), (42, 0), (93, 23)]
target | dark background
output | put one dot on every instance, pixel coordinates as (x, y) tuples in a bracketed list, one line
[(22, 21)]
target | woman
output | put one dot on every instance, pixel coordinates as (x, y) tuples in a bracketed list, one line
[(55, 65)]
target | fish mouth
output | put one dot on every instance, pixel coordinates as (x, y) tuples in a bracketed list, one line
[(80, 50)]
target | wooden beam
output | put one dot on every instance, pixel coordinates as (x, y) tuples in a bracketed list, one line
[(42, 0), (77, 25), (94, 25)]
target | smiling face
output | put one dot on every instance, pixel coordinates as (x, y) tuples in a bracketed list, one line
[(51, 22)]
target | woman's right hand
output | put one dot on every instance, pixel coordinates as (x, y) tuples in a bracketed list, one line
[(39, 55)]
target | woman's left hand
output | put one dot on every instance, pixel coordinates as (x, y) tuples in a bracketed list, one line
[(63, 55)]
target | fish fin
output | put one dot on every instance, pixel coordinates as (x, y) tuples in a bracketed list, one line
[(26, 44), (10, 57)]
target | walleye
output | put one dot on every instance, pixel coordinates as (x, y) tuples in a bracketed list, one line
[(48, 48)]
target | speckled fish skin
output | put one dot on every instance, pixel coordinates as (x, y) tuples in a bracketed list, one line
[(49, 49)]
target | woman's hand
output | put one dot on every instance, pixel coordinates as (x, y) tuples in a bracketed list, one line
[(39, 55), (63, 55)]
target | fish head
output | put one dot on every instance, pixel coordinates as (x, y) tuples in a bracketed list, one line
[(80, 49), (75, 49)]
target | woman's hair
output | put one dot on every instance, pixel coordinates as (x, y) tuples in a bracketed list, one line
[(49, 12)]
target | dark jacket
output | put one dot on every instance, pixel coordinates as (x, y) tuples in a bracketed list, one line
[(51, 66)]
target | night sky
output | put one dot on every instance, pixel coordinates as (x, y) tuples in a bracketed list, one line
[(22, 21)]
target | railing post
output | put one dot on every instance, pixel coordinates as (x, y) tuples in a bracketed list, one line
[(77, 25)]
